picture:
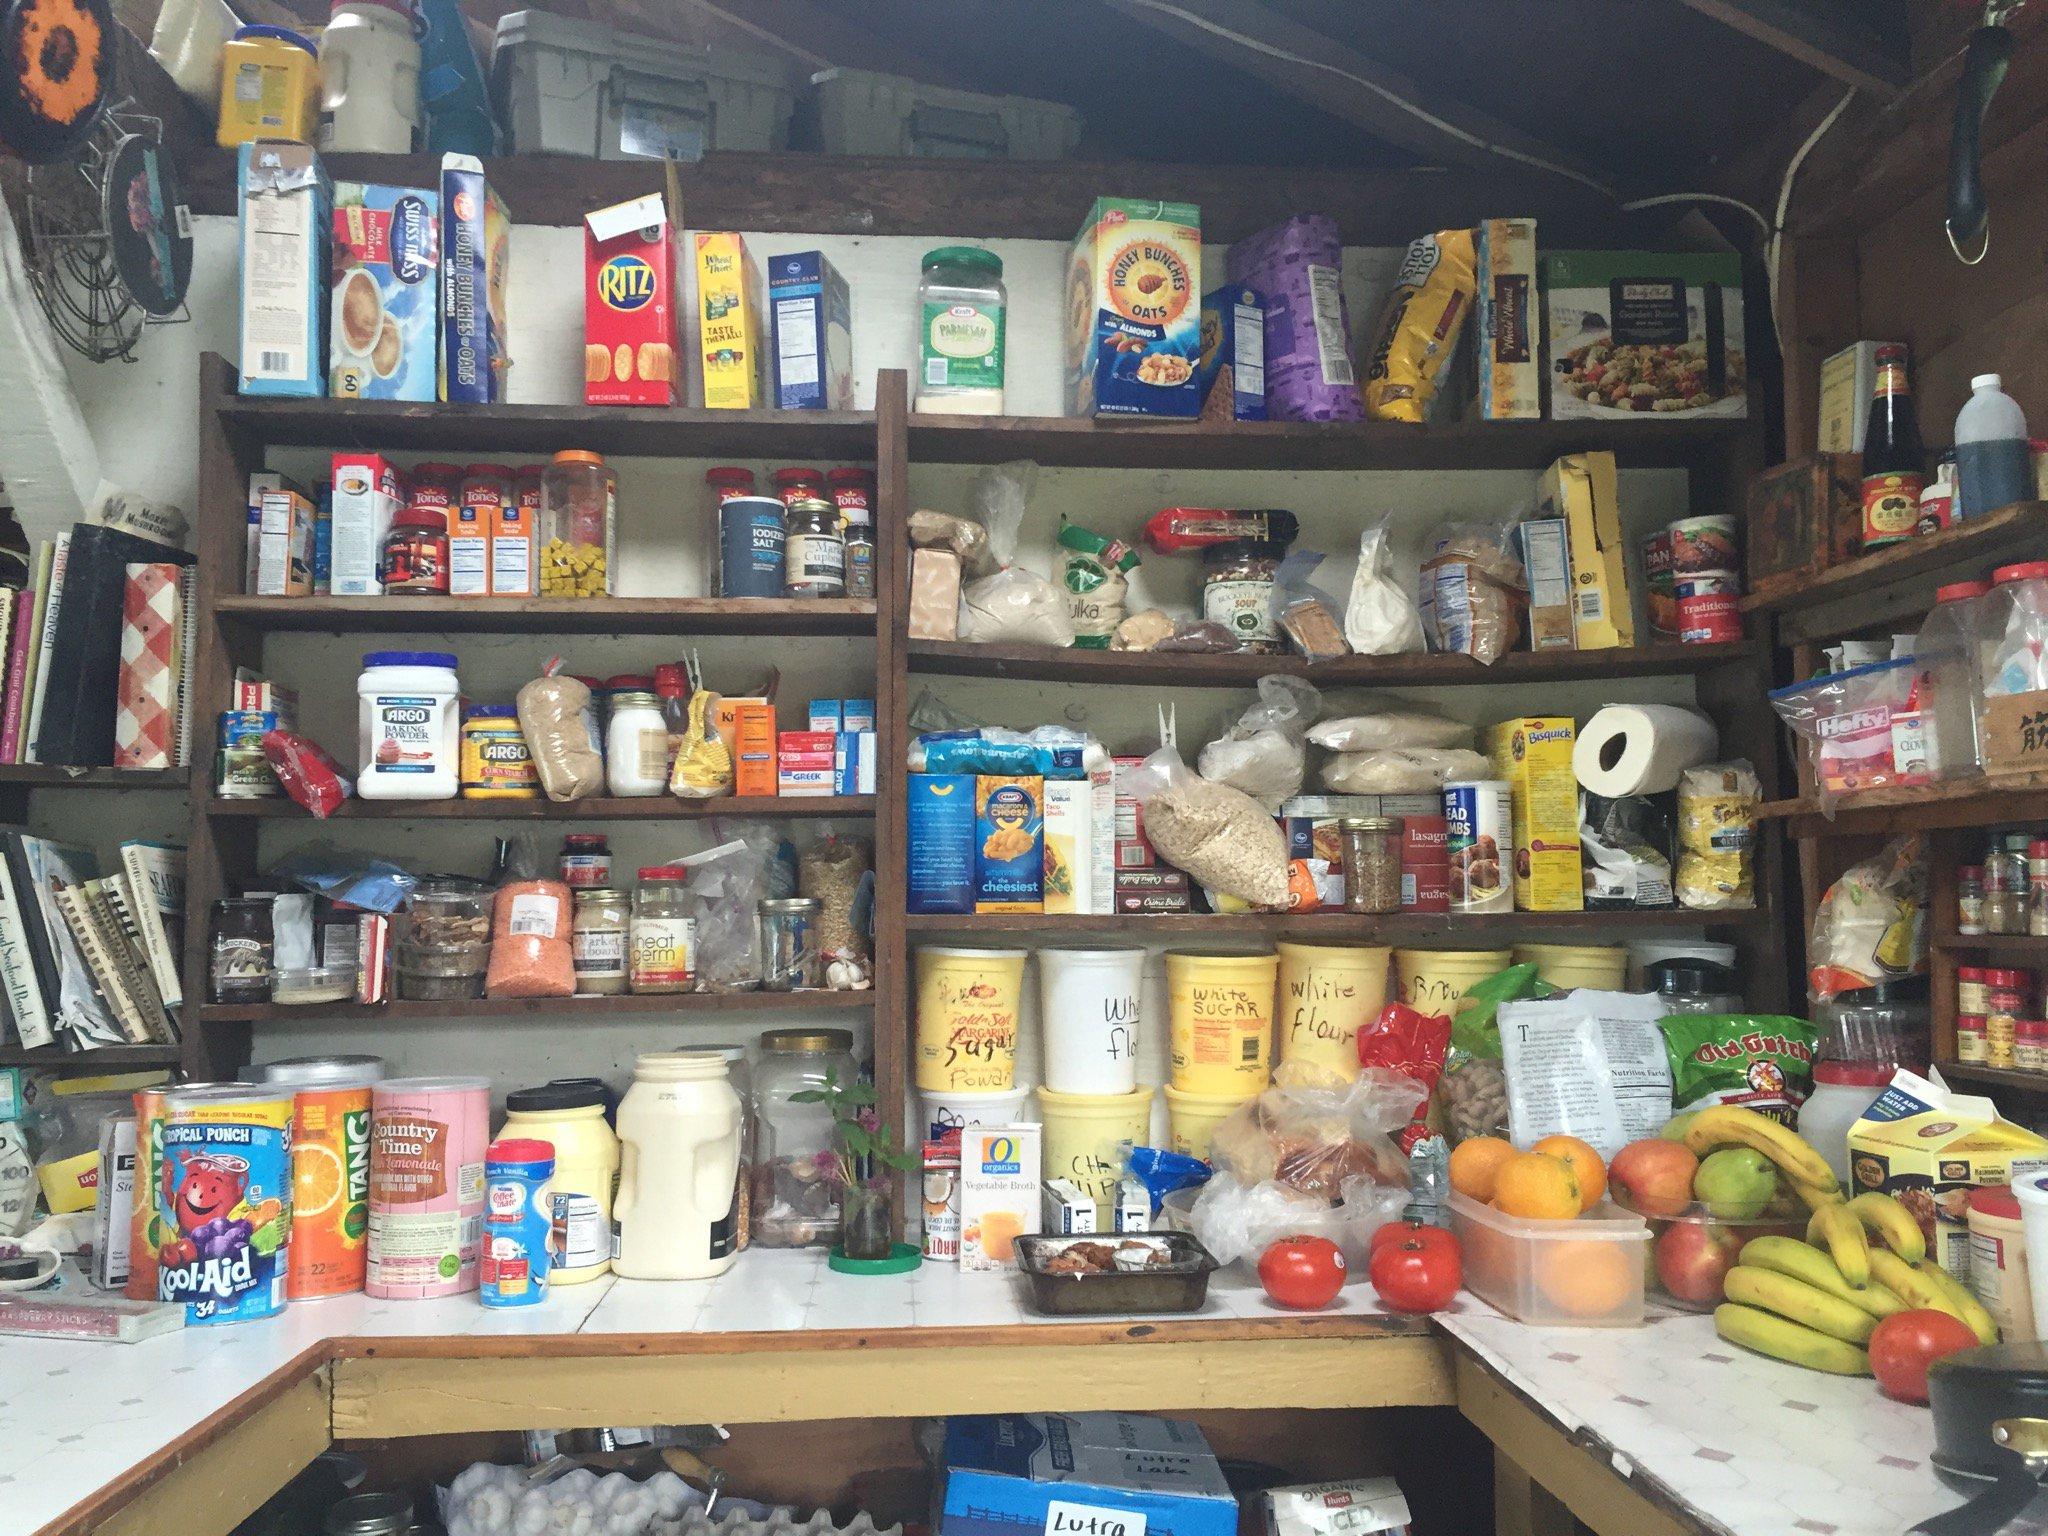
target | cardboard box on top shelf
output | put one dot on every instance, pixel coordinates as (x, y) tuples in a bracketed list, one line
[(384, 332), (282, 202)]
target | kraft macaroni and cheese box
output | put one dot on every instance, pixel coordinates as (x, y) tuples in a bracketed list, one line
[(476, 270), (941, 836), (282, 199), (1234, 354), (1009, 843), (631, 340), (812, 313), (729, 323), (1079, 1474), (382, 333), (1134, 339)]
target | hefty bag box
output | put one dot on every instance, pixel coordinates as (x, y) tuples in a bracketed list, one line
[(631, 338), (381, 336), (1081, 1474), (476, 270), (281, 200), (1134, 311)]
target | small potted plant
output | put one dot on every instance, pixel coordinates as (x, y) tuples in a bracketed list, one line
[(862, 1162)]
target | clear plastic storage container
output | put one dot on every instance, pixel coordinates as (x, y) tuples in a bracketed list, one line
[(578, 533), (2015, 630), (1947, 686), (1586, 1273), (796, 1198)]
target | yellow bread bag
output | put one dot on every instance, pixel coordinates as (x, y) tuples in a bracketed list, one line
[(1419, 328)]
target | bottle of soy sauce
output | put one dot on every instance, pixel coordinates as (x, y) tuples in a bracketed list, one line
[(1894, 463)]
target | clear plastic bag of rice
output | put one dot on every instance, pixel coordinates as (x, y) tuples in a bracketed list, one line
[(1222, 837)]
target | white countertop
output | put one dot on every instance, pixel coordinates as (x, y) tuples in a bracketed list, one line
[(1750, 1446)]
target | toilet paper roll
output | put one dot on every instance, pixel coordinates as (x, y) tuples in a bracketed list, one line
[(1641, 749)]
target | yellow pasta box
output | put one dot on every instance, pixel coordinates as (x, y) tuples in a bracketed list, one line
[(1534, 755), (729, 323), (1580, 488), (1009, 843)]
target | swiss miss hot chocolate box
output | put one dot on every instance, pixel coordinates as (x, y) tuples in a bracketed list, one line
[(383, 328), (630, 336)]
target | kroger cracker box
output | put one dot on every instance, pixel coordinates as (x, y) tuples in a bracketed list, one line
[(1134, 310), (811, 310), (630, 337), (1082, 1474), (384, 322), (476, 270)]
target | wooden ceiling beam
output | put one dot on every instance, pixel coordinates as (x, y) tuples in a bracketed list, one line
[(1239, 33), (1822, 36)]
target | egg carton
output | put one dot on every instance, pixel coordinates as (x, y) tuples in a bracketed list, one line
[(491, 1500)]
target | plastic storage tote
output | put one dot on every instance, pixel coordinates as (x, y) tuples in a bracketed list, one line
[(862, 113), (570, 87), (1586, 1273)]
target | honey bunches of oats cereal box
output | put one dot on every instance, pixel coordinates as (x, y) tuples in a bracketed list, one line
[(1134, 310), (330, 1170), (223, 1195)]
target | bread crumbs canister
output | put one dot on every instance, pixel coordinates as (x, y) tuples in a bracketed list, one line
[(427, 1141)]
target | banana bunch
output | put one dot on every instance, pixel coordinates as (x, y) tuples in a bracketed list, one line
[(1729, 1125)]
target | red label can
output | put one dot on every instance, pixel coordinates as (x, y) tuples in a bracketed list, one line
[(1711, 618)]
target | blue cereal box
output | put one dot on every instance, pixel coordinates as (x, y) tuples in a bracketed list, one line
[(1009, 843), (1234, 355), (281, 203), (224, 1201), (941, 855), (1134, 339), (812, 315), (1082, 1474), (386, 260), (476, 269)]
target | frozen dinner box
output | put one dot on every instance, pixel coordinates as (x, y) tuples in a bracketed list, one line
[(1645, 333), (1134, 310), (1077, 1474)]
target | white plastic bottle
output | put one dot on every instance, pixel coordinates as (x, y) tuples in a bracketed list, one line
[(370, 78), (676, 1214), (1993, 466), (408, 726)]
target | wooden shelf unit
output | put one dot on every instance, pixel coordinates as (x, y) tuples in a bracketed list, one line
[(598, 808), (852, 617), (1477, 930), (483, 1012), (112, 1058)]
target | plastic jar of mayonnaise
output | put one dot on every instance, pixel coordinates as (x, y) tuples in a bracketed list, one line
[(569, 1112), (1998, 1262)]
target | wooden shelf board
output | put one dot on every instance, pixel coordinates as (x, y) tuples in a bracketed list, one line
[(107, 1059), (1994, 1077), (2020, 530), (1171, 669), (1346, 927), (684, 1005), (41, 776), (679, 616), (598, 808), (2017, 945), (1918, 807)]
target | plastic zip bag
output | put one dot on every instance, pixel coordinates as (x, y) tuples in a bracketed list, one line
[(1380, 616), (1224, 839), (1014, 605), (1265, 753)]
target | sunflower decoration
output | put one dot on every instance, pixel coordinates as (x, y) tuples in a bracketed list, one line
[(56, 65)]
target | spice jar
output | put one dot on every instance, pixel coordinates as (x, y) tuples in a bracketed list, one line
[(586, 860), (814, 554), (662, 933), (2030, 1045), (790, 957), (636, 745), (796, 483), (1973, 992), (1970, 899), (796, 1196), (2008, 990), (579, 512), (1237, 591), (853, 493), (1971, 1044), (2001, 1040), (416, 552), (2037, 887), (1372, 864), (2005, 884), (598, 940), (243, 950), (723, 483), (443, 945)]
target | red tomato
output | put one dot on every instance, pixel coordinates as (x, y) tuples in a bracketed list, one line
[(1418, 1269), (1906, 1343), (1303, 1273)]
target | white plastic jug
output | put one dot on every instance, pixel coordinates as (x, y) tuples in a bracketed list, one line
[(369, 79), (1993, 466), (676, 1215)]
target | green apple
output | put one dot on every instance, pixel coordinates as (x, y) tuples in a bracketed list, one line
[(1735, 1183)]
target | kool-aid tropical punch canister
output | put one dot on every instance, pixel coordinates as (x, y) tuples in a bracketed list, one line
[(223, 1197)]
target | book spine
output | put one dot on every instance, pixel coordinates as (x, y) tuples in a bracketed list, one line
[(156, 882), (59, 561), (21, 656), (73, 907), (109, 907), (18, 970)]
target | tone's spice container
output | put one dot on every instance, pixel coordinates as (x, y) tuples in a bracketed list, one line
[(495, 762)]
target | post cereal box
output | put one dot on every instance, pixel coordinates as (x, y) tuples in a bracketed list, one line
[(1009, 844), (630, 336), (1134, 310), (476, 270), (1535, 756), (387, 268), (729, 323)]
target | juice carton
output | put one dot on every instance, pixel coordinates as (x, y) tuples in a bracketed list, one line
[(1134, 282), (367, 494), (476, 271), (631, 309), (281, 199), (1009, 843), (941, 837), (386, 261), (813, 317), (729, 323), (999, 1193), (1535, 756)]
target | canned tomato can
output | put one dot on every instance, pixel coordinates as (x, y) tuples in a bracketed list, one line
[(223, 1196), (1707, 543), (330, 1170), (1710, 618), (1480, 828), (427, 1141)]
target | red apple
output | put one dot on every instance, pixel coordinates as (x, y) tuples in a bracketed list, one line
[(1693, 1258), (1653, 1177)]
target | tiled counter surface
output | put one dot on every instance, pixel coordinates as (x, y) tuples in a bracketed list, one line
[(1742, 1445)]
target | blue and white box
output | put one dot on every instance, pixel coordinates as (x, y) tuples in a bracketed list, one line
[(940, 866), (812, 316), (828, 715), (1234, 337), (857, 714), (1082, 1474), (283, 202)]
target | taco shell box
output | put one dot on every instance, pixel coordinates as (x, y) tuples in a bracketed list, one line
[(1581, 489), (632, 352), (1134, 310), (476, 272), (1645, 333)]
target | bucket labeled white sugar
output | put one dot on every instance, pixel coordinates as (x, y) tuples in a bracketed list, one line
[(2032, 1190), (1088, 1008)]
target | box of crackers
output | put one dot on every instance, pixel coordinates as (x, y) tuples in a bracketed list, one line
[(729, 331), (631, 339)]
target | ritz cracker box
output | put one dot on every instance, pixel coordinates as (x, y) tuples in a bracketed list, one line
[(476, 272), (1134, 310), (382, 334), (729, 323), (631, 340)]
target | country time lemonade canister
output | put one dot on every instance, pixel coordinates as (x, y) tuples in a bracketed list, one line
[(427, 1141)]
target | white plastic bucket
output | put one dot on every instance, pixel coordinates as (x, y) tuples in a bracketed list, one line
[(946, 1110), (2032, 1191), (1646, 952), (1088, 1003)]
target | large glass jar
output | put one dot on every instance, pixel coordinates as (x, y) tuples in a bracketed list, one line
[(443, 945), (741, 1076), (1237, 591), (598, 940), (636, 745), (579, 511), (796, 1195), (960, 303)]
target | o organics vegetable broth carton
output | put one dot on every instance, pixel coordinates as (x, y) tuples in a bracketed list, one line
[(1134, 310), (999, 1193), (381, 335)]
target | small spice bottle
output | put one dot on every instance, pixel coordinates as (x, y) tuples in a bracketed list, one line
[(1971, 1045), (2037, 887), (1970, 899), (598, 940), (2030, 1045), (796, 483), (1372, 864), (2001, 1040), (853, 493), (1973, 992), (814, 555)]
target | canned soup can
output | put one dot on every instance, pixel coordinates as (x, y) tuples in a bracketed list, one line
[(1479, 816), (223, 1198)]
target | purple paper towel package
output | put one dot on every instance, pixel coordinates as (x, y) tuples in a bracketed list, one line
[(1298, 266)]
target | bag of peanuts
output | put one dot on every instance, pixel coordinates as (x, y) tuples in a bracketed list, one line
[(1472, 1094)]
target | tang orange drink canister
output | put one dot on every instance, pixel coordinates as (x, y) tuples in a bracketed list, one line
[(145, 1228), (427, 1141), (223, 1197), (330, 1170)]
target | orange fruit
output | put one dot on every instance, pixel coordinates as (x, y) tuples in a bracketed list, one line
[(1585, 1277), (1538, 1186), (1475, 1164), (1586, 1166)]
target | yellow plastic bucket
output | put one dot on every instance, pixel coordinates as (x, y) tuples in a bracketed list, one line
[(968, 1002), (1570, 966), (1328, 993), (1192, 1118), (1088, 1138), (1436, 980), (1220, 1018)]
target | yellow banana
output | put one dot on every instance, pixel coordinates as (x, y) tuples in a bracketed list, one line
[(1911, 1285), (1781, 1339), (1813, 1198), (1892, 1224), (1789, 1256), (1731, 1125), (1832, 1227), (1804, 1304), (1963, 1302)]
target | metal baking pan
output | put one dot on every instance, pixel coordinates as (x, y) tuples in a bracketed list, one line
[(1182, 1285)]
